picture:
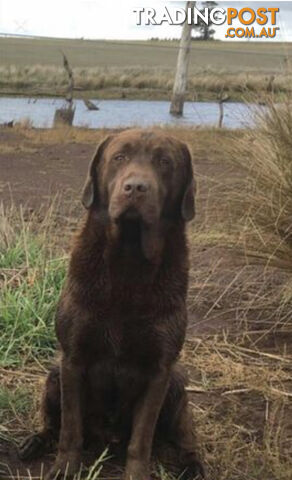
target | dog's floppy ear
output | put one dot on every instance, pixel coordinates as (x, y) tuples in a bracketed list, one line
[(188, 198), (90, 189)]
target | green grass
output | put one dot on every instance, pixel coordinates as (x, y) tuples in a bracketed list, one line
[(16, 400), (31, 283)]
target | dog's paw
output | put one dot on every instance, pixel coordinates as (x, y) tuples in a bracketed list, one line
[(65, 466), (136, 470), (32, 447)]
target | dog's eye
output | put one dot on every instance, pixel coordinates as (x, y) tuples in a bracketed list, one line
[(119, 157)]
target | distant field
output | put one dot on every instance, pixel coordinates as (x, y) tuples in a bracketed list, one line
[(238, 64), (235, 56)]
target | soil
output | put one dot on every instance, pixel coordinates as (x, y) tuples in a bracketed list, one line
[(34, 177)]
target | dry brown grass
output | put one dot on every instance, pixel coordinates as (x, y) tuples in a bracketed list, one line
[(265, 196), (241, 284), (157, 82), (242, 407)]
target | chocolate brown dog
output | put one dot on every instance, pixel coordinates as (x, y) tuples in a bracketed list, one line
[(122, 317)]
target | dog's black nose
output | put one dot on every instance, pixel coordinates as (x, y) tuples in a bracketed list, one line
[(135, 186)]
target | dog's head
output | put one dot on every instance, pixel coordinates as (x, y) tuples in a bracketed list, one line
[(140, 177)]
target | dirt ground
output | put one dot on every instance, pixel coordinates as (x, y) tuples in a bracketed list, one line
[(32, 175), (37, 167)]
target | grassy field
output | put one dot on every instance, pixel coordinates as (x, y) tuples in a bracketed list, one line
[(238, 350), (112, 69)]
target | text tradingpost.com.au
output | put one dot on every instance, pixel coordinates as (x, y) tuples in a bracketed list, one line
[(252, 21)]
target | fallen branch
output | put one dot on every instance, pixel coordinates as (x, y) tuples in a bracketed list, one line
[(90, 105), (236, 391)]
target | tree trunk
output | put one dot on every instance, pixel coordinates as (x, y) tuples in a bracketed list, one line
[(180, 82), (64, 116), (206, 32), (221, 114)]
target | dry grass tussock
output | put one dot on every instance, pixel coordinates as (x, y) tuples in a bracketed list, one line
[(265, 161), (238, 352)]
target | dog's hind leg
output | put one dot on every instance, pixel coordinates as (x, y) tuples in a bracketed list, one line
[(44, 441), (176, 425)]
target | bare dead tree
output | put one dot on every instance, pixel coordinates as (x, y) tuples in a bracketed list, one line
[(181, 75), (65, 116), (69, 96), (222, 98)]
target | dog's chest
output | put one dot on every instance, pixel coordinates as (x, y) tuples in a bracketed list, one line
[(132, 287), (112, 337), (122, 324), (122, 338)]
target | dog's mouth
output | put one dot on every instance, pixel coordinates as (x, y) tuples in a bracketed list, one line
[(130, 214), (138, 232), (142, 214)]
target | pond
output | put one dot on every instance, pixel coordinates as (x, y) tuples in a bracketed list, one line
[(125, 113)]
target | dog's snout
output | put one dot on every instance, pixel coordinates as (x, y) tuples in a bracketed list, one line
[(135, 186)]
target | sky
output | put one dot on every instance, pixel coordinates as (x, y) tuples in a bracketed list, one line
[(115, 19)]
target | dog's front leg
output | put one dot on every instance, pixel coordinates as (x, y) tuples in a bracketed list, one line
[(144, 422), (71, 435)]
